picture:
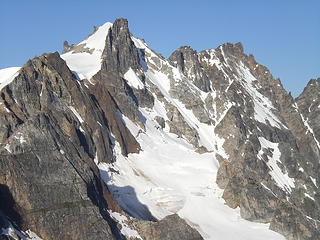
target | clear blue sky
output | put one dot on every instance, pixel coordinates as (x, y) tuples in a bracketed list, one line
[(284, 35)]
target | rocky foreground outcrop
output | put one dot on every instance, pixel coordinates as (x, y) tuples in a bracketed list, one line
[(54, 129)]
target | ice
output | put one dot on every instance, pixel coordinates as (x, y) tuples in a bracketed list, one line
[(97, 40), (168, 175), (7, 231), (130, 125), (20, 138), (212, 59), (96, 159), (84, 64), (205, 131)]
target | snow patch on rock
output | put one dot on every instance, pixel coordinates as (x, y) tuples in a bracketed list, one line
[(262, 105), (282, 179), (133, 80), (76, 114), (125, 229)]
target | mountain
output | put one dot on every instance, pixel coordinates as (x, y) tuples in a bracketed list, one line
[(110, 140)]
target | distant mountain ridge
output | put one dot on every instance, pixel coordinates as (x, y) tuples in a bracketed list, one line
[(110, 140)]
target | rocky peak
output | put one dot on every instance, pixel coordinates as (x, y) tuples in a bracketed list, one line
[(121, 58), (311, 90), (120, 27), (120, 52), (179, 56), (66, 47), (233, 49), (186, 59), (56, 128)]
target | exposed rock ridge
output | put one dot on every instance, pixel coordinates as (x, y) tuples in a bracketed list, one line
[(120, 53), (46, 135), (187, 60), (244, 174), (245, 101), (54, 129)]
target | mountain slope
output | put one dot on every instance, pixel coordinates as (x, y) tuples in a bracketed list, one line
[(210, 137)]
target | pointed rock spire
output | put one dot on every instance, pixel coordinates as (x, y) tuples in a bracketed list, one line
[(120, 52)]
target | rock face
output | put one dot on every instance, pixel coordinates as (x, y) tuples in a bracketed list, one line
[(120, 55), (120, 52), (308, 103), (52, 129), (247, 175), (158, 230), (187, 60), (46, 135), (55, 129)]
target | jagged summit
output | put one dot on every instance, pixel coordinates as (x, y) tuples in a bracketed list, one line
[(120, 52), (112, 141), (121, 26)]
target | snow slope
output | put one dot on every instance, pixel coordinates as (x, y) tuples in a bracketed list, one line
[(168, 176), (88, 63), (7, 75)]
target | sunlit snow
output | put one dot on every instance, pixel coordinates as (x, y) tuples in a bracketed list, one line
[(168, 176), (7, 75), (125, 229), (76, 114), (133, 80), (262, 105), (88, 64)]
